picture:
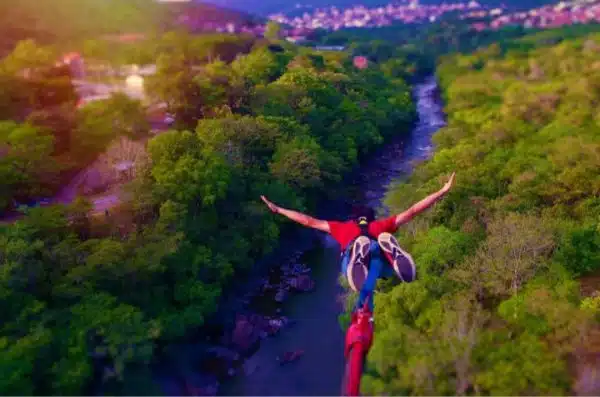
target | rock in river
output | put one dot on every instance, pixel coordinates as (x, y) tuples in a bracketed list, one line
[(245, 335), (200, 385), (280, 295), (302, 283)]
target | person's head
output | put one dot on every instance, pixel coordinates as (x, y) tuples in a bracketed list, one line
[(363, 213)]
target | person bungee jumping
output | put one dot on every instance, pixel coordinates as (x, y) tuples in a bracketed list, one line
[(363, 239)]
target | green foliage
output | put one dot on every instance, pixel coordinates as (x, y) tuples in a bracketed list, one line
[(83, 301), (31, 81), (298, 163), (273, 30), (26, 166), (580, 250), (102, 121), (592, 306), (441, 249), (261, 66), (27, 54), (195, 80), (519, 366), (520, 223)]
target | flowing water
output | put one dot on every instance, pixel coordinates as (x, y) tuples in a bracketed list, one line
[(317, 331)]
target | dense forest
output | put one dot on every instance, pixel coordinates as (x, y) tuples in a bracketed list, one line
[(417, 47), (94, 298), (497, 309), (82, 293)]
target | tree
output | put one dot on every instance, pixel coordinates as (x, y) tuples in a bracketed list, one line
[(98, 123), (297, 163), (31, 80), (174, 84), (438, 347), (579, 250), (522, 365), (260, 66), (27, 57), (503, 264), (122, 161), (60, 120), (273, 30), (27, 167), (185, 173), (245, 141)]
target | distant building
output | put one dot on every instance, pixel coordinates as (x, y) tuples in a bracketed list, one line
[(479, 26), (296, 39), (360, 62), (330, 48), (134, 85)]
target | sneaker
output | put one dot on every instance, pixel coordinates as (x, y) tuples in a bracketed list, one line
[(356, 271), (401, 262)]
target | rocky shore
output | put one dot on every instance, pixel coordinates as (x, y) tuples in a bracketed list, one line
[(201, 367)]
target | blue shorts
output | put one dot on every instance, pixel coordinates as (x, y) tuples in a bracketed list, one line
[(378, 268)]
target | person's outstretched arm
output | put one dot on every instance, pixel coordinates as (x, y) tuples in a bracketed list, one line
[(425, 203), (298, 217)]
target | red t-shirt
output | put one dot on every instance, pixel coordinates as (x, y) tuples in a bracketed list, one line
[(345, 232)]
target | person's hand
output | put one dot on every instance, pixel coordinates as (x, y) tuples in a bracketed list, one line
[(269, 204), (448, 184)]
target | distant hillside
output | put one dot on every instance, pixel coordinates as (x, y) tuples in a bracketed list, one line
[(55, 21), (52, 20), (197, 14)]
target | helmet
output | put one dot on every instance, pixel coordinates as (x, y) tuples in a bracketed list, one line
[(363, 214)]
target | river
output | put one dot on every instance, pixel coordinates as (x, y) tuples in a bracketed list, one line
[(317, 331)]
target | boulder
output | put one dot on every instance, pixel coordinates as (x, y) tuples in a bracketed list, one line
[(200, 385), (223, 353), (245, 334), (274, 326), (280, 295), (250, 366), (259, 322), (302, 283)]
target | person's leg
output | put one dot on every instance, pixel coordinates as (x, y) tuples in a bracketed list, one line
[(370, 283), (345, 258), (387, 272), (402, 263), (355, 268)]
